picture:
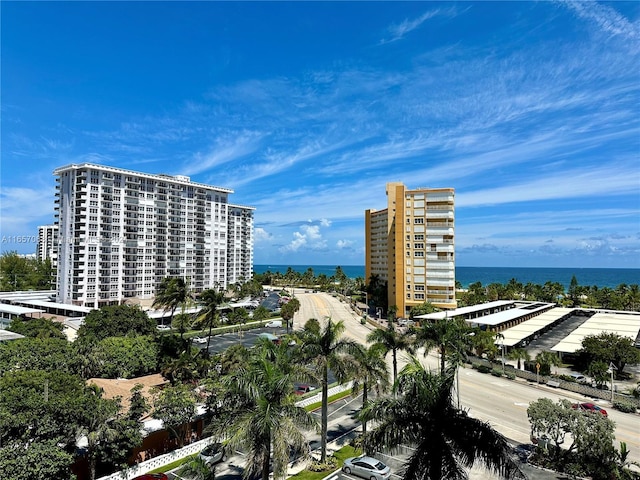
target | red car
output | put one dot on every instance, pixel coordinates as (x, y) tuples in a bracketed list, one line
[(302, 389), (590, 407), (152, 476)]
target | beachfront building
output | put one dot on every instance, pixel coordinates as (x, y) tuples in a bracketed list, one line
[(410, 245), (121, 232)]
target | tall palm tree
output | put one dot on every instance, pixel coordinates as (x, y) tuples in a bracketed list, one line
[(519, 354), (263, 418), (448, 336), (446, 439), (208, 316), (325, 349), (370, 373), (171, 294), (288, 311), (392, 341)]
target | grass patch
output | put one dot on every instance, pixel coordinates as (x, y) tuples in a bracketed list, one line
[(332, 398), (172, 465), (341, 455)]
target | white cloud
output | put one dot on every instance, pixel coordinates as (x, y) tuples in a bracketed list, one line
[(398, 31), (21, 211), (308, 236), (341, 244), (606, 18), (261, 235)]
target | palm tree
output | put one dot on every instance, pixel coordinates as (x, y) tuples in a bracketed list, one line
[(446, 439), (99, 426), (288, 311), (448, 336), (519, 354), (391, 341), (263, 418), (170, 294), (197, 469), (325, 349), (208, 316), (370, 373), (547, 360)]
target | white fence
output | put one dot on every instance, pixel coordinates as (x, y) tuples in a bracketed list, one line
[(159, 461)]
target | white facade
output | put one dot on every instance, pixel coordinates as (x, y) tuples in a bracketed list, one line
[(47, 243), (240, 243), (121, 232)]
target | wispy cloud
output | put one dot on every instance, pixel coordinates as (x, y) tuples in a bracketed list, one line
[(606, 19), (400, 30)]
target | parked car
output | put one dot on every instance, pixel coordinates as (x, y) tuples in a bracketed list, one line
[(406, 322), (578, 377), (152, 476), (590, 407), (199, 340), (270, 337), (302, 389), (366, 467), (213, 453), (163, 328), (273, 324)]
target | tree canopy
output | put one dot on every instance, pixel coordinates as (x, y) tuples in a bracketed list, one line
[(115, 321), (609, 348)]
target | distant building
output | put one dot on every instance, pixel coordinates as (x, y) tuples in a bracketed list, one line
[(47, 247), (121, 232), (410, 245), (47, 243)]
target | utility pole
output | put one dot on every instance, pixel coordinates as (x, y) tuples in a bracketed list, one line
[(611, 369)]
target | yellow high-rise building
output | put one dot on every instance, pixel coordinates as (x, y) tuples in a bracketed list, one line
[(410, 245)]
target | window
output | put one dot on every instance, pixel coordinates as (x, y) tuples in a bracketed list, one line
[(418, 237), (418, 254), (418, 221)]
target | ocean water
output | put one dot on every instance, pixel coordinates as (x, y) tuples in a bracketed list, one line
[(601, 277)]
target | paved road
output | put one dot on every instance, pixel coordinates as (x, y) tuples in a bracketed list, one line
[(501, 402)]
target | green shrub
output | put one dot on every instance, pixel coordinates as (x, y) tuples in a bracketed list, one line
[(511, 376), (496, 372), (482, 368), (566, 378), (330, 465), (626, 407)]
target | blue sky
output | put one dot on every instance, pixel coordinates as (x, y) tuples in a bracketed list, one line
[(530, 110)]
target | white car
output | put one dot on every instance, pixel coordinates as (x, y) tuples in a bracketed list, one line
[(163, 328), (366, 467), (273, 324), (213, 453), (199, 340), (406, 322)]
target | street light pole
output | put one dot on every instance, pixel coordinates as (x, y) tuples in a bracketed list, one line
[(612, 367)]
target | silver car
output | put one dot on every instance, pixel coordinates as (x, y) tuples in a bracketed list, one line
[(366, 467), (213, 453)]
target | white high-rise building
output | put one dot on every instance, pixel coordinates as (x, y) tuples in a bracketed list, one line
[(47, 243), (121, 232)]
